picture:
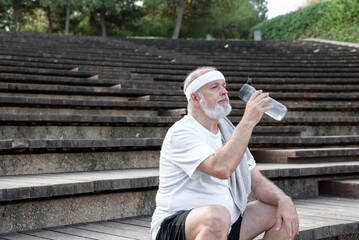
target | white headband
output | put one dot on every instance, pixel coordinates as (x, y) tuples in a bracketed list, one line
[(201, 81)]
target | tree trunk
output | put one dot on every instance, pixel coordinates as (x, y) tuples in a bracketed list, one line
[(16, 11), (48, 13), (67, 25), (103, 25), (180, 10)]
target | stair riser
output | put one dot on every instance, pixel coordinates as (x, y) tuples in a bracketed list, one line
[(111, 132), (324, 159), (332, 130), (61, 211), (328, 113), (80, 132), (72, 162), (66, 111), (331, 233), (297, 188), (67, 97), (339, 189)]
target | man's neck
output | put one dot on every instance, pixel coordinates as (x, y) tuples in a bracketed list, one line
[(209, 123)]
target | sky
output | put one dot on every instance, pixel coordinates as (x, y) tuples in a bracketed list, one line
[(280, 7)]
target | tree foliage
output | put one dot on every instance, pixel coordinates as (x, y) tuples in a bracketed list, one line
[(335, 19), (222, 19)]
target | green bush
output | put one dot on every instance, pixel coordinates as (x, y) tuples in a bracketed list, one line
[(334, 20)]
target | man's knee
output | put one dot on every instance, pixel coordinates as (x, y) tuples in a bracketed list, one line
[(217, 220), (209, 222)]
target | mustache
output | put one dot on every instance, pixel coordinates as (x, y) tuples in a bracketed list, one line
[(223, 98)]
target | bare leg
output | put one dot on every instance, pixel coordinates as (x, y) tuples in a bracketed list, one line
[(208, 222), (261, 217)]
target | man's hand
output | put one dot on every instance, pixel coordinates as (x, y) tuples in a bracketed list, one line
[(254, 107), (286, 213)]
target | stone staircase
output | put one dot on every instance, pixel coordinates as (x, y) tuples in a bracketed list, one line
[(82, 120)]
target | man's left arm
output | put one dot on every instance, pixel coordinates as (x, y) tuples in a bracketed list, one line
[(267, 192)]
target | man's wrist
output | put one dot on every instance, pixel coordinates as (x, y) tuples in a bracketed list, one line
[(248, 124), (283, 198)]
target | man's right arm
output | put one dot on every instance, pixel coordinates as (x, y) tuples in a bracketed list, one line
[(222, 163)]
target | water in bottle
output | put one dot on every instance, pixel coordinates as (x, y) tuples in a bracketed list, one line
[(277, 112)]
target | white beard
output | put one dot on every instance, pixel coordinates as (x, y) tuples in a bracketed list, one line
[(218, 111)]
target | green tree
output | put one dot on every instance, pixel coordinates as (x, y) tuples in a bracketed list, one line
[(68, 12), (334, 20), (157, 20), (224, 13), (6, 21), (102, 8), (261, 8), (20, 9), (180, 10), (223, 19), (61, 13), (110, 17), (48, 6)]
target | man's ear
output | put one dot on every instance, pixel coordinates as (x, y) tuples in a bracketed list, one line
[(195, 98)]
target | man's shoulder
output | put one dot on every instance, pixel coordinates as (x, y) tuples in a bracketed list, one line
[(184, 128), (187, 122)]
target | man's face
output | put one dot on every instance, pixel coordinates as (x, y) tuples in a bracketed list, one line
[(214, 99)]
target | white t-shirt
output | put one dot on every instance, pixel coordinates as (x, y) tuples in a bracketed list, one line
[(182, 186)]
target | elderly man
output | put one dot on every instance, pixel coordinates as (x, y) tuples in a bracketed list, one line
[(207, 172)]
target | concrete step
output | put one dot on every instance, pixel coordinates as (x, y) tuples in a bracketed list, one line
[(104, 127), (272, 74), (228, 65), (66, 111), (66, 162), (306, 155), (161, 94), (45, 102), (89, 131), (305, 121), (46, 200), (295, 109), (300, 180), (268, 70), (62, 184), (68, 198), (155, 64), (45, 71), (40, 145), (256, 141), (315, 223), (243, 65), (233, 77), (340, 187), (303, 96), (310, 88), (306, 141), (68, 145), (39, 79), (58, 89), (120, 62), (4, 61), (82, 58)]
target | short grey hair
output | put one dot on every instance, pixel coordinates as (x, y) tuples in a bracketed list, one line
[(194, 75)]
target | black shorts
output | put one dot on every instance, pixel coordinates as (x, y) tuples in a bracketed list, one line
[(173, 227)]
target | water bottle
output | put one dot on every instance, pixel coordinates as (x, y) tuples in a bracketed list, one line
[(277, 112)]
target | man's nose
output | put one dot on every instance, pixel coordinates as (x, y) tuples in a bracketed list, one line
[(224, 91)]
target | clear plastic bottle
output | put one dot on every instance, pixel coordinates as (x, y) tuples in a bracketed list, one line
[(279, 110)]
